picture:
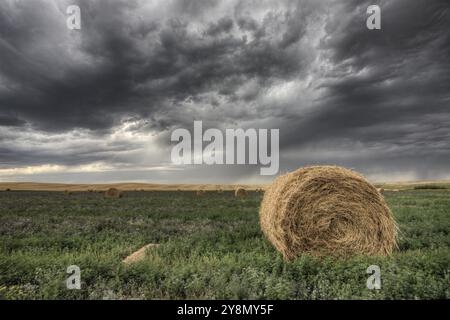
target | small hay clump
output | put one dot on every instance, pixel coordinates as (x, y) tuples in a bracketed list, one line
[(327, 210), (240, 193), (113, 193), (140, 254)]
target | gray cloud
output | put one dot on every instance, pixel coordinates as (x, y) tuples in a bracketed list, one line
[(120, 64), (389, 86), (340, 93)]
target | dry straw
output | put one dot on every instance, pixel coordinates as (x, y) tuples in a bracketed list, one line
[(140, 254), (113, 193), (327, 210), (240, 193)]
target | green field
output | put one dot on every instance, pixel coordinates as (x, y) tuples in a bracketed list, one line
[(211, 248)]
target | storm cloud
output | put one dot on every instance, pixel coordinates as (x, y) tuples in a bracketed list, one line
[(99, 103)]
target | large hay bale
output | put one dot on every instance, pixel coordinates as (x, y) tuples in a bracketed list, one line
[(240, 193), (327, 210), (113, 193)]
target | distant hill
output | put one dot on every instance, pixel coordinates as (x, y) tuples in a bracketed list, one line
[(121, 186), (408, 185)]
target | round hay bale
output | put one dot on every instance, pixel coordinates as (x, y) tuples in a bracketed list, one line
[(200, 193), (113, 193), (240, 193), (380, 190), (327, 210)]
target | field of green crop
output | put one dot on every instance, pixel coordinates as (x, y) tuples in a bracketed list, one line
[(211, 247)]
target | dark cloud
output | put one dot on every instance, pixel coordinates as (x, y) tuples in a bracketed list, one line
[(376, 100), (9, 121), (224, 25), (383, 80), (121, 64)]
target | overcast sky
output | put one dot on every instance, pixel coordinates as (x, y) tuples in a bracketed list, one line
[(99, 104)]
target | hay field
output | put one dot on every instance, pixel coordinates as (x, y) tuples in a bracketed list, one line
[(36, 186), (210, 247)]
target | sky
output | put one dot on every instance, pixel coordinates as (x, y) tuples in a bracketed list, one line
[(99, 104)]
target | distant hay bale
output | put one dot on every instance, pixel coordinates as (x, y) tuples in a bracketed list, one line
[(200, 193), (140, 254), (113, 193), (240, 193), (380, 190), (327, 210)]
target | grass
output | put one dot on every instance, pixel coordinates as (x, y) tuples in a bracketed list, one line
[(429, 186), (211, 248)]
